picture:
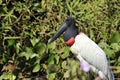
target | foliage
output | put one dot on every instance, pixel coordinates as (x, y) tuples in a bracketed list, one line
[(26, 26)]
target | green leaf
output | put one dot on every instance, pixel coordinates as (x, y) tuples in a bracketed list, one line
[(118, 61), (52, 46), (64, 64), (4, 76), (115, 37), (65, 52), (25, 55), (7, 76), (109, 52), (57, 58), (115, 46), (34, 41), (40, 48), (18, 47), (33, 55), (67, 74), (0, 1), (51, 76), (36, 68), (28, 53), (103, 45), (52, 68), (11, 42), (91, 33), (51, 59)]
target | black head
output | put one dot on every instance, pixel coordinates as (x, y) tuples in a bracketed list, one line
[(69, 28), (70, 21)]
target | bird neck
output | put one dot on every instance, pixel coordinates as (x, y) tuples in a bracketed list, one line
[(70, 42)]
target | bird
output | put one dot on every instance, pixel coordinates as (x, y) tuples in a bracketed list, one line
[(90, 55)]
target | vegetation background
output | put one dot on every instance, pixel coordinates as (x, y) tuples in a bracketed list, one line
[(26, 26)]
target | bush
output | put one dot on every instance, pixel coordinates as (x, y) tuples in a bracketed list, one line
[(26, 26)]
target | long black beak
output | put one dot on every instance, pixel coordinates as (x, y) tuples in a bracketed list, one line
[(59, 32)]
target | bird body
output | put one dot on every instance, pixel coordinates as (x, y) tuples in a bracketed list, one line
[(86, 50)]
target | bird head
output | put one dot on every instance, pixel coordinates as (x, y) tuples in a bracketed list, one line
[(70, 31)]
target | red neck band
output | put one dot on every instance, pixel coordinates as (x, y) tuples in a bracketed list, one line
[(70, 42)]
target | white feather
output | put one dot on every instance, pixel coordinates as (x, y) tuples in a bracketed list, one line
[(85, 49)]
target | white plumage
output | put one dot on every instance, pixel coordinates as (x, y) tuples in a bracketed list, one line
[(85, 49)]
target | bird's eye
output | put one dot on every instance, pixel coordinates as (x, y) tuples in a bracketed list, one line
[(68, 20)]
